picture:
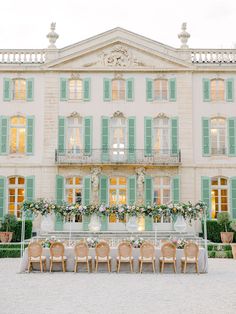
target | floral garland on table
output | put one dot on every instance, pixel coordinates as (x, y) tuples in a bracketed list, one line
[(179, 243), (136, 243)]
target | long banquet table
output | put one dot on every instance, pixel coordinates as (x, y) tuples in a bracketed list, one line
[(69, 253)]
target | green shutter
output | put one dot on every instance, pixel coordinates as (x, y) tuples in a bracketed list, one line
[(233, 196), (86, 190), (206, 90), (131, 190), (63, 89), (4, 135), (148, 136), (59, 189), (172, 89), (148, 192), (106, 89), (176, 189), (206, 193), (231, 137), (86, 89), (59, 221), (149, 89), (29, 188), (174, 136), (7, 89), (88, 135), (105, 139), (2, 196), (30, 89), (206, 143), (61, 135), (131, 139), (30, 135), (103, 190), (230, 89), (130, 89)]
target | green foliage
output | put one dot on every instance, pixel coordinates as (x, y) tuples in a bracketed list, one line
[(229, 254), (17, 231), (233, 224), (223, 219), (9, 223), (212, 254), (4, 253), (210, 247), (214, 230)]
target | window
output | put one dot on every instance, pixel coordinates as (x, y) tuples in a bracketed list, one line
[(161, 190), (75, 89), (73, 192), (161, 135), (118, 89), (217, 90), (17, 135), (118, 138), (219, 196), (19, 89), (218, 136), (16, 195), (74, 134), (160, 89), (117, 190)]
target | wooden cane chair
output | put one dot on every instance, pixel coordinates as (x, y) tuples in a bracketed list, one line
[(191, 254), (57, 255), (147, 255), (168, 251), (124, 256), (102, 255), (35, 251), (81, 256)]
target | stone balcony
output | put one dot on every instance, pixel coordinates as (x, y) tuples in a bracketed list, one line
[(117, 157)]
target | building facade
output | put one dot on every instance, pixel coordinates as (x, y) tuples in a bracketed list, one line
[(118, 118)]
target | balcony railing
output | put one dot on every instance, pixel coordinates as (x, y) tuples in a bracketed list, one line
[(117, 156), (213, 56), (26, 56)]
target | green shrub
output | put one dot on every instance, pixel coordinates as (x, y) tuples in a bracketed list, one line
[(9, 223), (214, 230), (223, 219), (4, 253), (226, 248), (17, 231), (229, 254), (210, 247), (212, 254)]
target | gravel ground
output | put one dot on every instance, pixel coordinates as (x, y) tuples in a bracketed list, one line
[(103, 293)]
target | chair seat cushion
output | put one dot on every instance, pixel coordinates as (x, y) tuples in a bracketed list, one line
[(37, 259), (58, 259), (189, 259), (124, 259), (146, 259), (103, 259), (167, 259), (82, 259)]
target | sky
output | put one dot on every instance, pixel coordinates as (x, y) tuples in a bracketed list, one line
[(25, 23)]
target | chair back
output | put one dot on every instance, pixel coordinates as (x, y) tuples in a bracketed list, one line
[(168, 250), (57, 249), (35, 249), (147, 250), (125, 249), (191, 250), (102, 249), (81, 249)]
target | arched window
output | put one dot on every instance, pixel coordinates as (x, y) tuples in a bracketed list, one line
[(217, 90), (219, 195), (118, 89), (75, 134), (160, 89), (161, 190), (118, 137), (17, 134), (161, 135), (117, 190), (19, 89), (16, 195), (75, 89), (218, 136)]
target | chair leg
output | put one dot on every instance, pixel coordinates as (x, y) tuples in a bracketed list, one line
[(108, 266), (44, 265), (87, 266), (197, 270), (174, 266), (29, 265), (162, 266), (91, 266), (41, 266), (131, 266), (118, 267), (63, 266), (153, 266), (75, 268), (185, 266), (51, 266), (141, 267), (96, 265)]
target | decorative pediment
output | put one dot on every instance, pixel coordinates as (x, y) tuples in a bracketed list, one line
[(74, 114), (161, 115), (118, 114)]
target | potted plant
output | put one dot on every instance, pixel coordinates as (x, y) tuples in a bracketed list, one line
[(233, 227), (223, 220), (8, 226)]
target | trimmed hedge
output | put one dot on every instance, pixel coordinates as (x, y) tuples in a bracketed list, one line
[(10, 250), (214, 230)]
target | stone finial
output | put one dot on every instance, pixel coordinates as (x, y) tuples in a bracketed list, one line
[(184, 36), (52, 36)]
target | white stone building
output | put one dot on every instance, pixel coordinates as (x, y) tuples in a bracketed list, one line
[(118, 118)]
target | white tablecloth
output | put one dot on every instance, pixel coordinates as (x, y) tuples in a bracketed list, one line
[(69, 253)]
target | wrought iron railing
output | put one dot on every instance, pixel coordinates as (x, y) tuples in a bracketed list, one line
[(117, 156)]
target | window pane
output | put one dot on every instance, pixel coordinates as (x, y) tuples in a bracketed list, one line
[(21, 180), (21, 147), (223, 181), (77, 180), (69, 180), (112, 181), (13, 137), (122, 181), (166, 180), (12, 180)]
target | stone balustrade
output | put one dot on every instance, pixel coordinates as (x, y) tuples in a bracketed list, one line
[(19, 56), (213, 56)]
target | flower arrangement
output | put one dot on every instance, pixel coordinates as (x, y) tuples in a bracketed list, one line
[(179, 243), (42, 206), (92, 242), (48, 242), (136, 243)]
